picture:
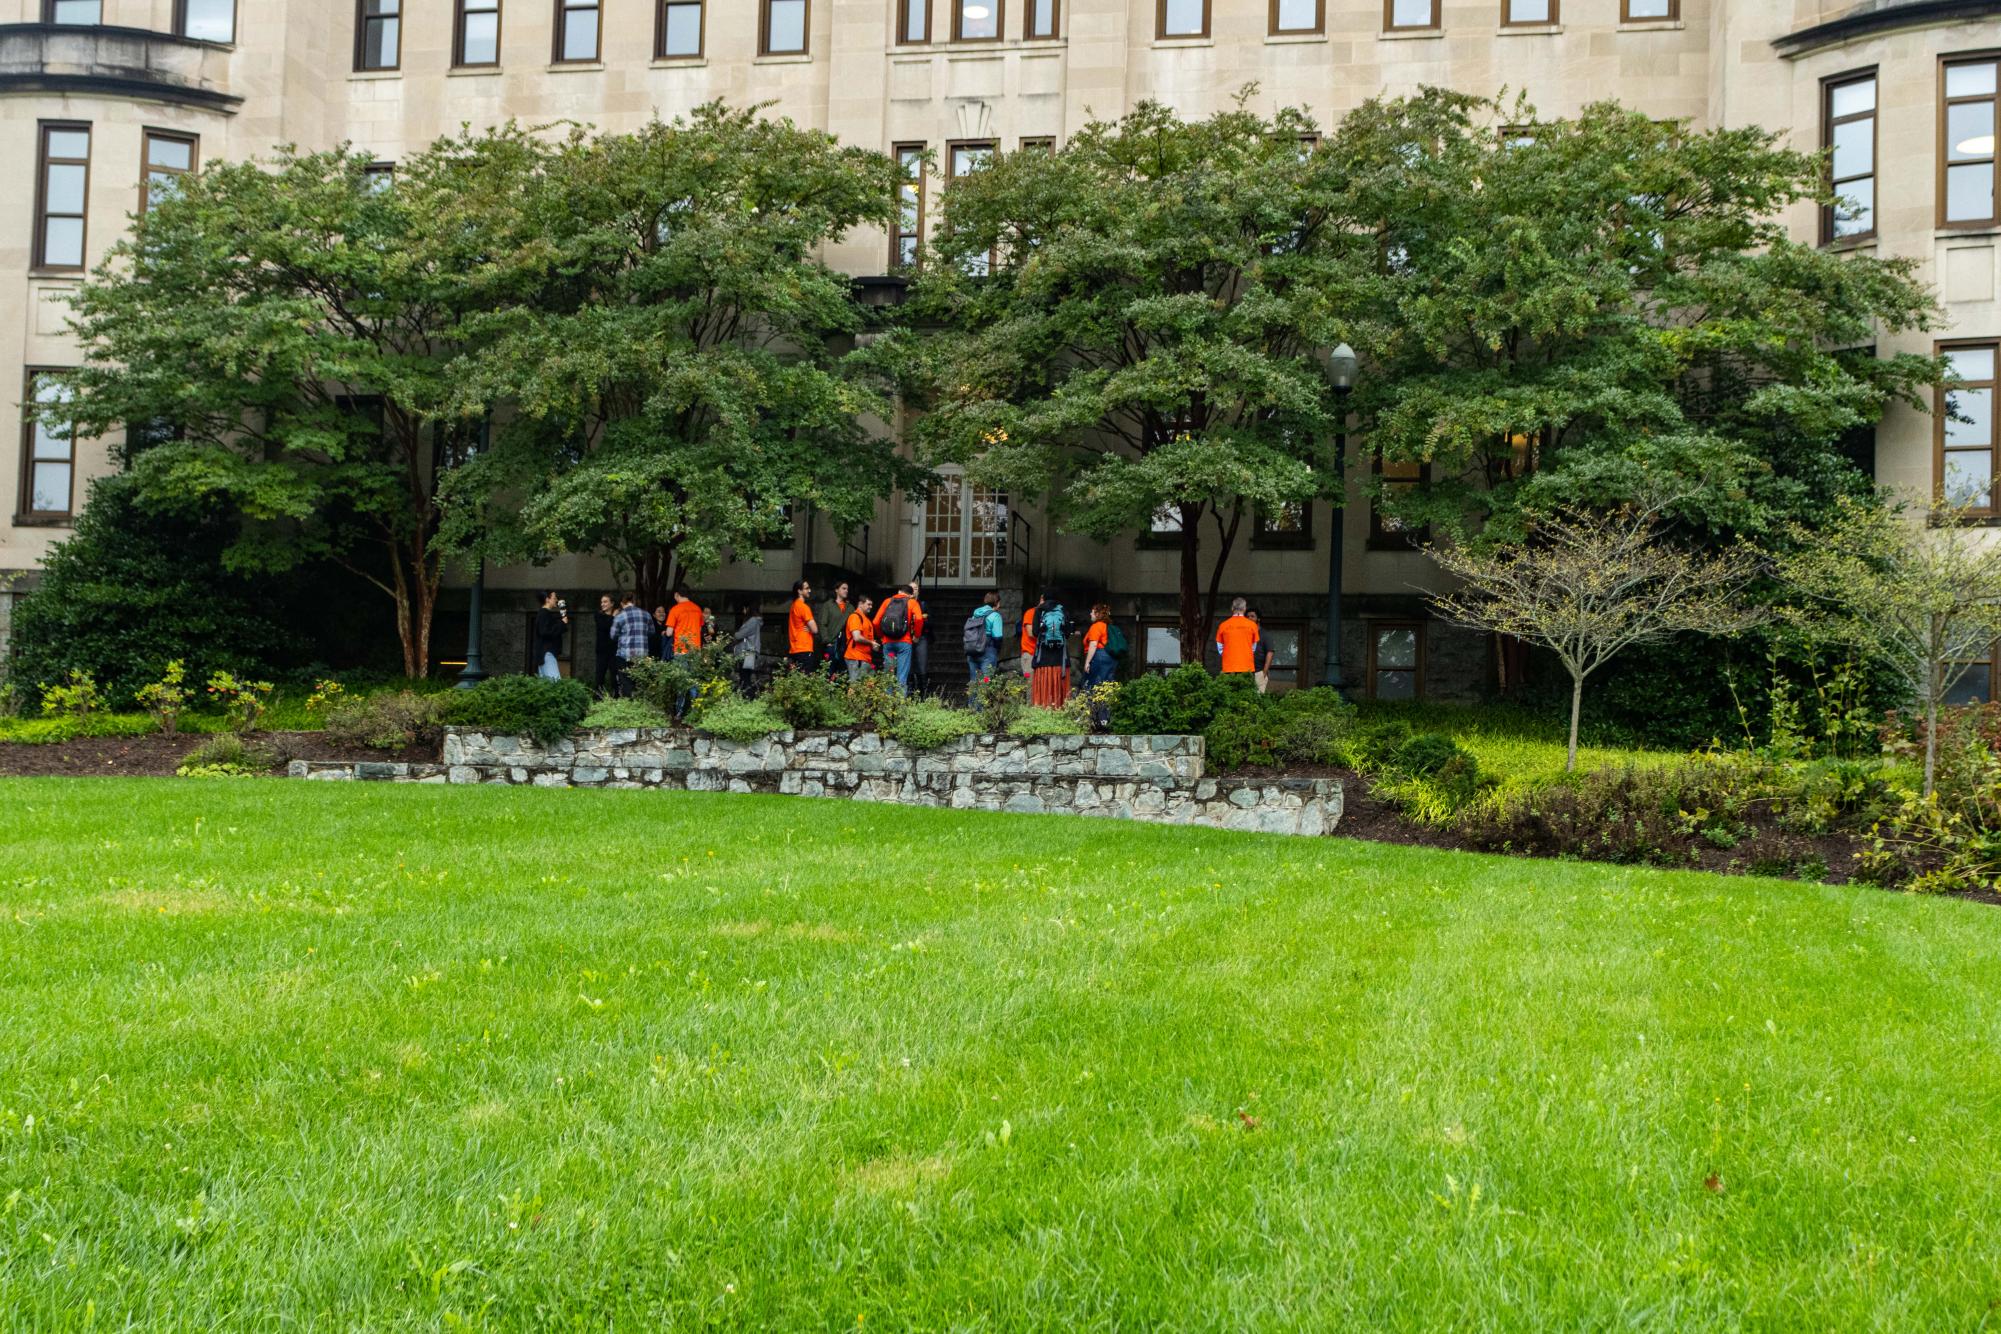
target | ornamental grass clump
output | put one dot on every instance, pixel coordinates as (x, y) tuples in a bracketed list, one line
[(733, 718), (924, 724)]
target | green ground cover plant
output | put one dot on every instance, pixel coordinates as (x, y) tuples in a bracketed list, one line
[(520, 706), (301, 1054)]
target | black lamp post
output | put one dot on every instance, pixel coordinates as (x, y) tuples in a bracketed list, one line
[(474, 672), (1341, 367)]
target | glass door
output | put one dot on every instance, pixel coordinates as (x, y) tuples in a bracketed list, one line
[(965, 532)]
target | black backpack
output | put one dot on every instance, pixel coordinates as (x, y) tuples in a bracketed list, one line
[(896, 618)]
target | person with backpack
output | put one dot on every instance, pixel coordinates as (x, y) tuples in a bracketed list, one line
[(1099, 664), (983, 633), (896, 627), (859, 638), (746, 646), (1050, 687), (1260, 653)]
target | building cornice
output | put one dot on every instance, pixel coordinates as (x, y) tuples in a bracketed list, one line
[(1886, 18), (133, 64)]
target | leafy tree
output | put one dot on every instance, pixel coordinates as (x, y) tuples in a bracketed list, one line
[(677, 380), (1578, 311), (1921, 593), (282, 339), (135, 588), (1130, 324), (1588, 584)]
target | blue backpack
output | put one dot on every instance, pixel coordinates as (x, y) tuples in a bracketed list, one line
[(1052, 627)]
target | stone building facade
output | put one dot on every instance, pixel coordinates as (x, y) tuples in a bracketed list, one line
[(96, 95)]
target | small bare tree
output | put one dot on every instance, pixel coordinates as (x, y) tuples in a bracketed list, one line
[(1919, 592), (1589, 583)]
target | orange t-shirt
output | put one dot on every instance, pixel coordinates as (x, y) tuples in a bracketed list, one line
[(1028, 631), (684, 622), (799, 639), (1099, 634), (859, 647), (1238, 638)]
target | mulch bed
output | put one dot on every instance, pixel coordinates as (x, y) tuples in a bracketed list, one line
[(159, 756)]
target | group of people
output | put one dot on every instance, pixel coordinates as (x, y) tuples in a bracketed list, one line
[(851, 633), (854, 635)]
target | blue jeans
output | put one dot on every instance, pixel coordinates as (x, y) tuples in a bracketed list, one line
[(979, 667), (550, 670), (897, 656)]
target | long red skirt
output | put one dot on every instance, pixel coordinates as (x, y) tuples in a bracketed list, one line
[(1050, 687)]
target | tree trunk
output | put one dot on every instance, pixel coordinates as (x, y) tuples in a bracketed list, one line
[(1228, 544), (1576, 709), (1191, 584), (1931, 734)]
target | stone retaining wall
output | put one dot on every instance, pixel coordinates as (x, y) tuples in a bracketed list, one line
[(1153, 778)]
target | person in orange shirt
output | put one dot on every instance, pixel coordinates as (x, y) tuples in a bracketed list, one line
[(801, 630), (1237, 641), (684, 625), (896, 627), (1099, 664), (1028, 636), (860, 639)]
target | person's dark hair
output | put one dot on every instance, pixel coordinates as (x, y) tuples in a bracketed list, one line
[(680, 593), (628, 599), (798, 587), (992, 599), (1101, 611), (908, 590), (745, 611)]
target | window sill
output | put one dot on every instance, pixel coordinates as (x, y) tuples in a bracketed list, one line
[(1282, 544), (679, 62), (788, 58), (1414, 35), (576, 67), (1969, 231), (1178, 43), (44, 520), (1528, 30), (1652, 25), (472, 72), (57, 275), (1848, 243), (1294, 38), (373, 75), (1158, 542)]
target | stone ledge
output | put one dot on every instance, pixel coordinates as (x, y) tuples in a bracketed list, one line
[(1157, 779)]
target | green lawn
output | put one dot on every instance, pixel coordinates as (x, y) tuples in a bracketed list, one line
[(290, 1055)]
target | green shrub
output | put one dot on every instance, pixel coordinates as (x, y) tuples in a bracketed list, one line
[(624, 713), (1311, 737), (808, 700), (167, 698), (225, 755), (75, 697), (1661, 815), (1376, 745), (392, 720), (1031, 723), (530, 706), (53, 731), (132, 588), (1426, 754), (875, 702), (243, 702), (665, 682), (1002, 702), (1181, 702), (734, 718), (1244, 736), (924, 724)]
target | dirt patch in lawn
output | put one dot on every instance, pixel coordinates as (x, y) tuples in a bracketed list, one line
[(160, 756)]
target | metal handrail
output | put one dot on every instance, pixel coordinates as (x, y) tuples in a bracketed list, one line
[(854, 558), (925, 559)]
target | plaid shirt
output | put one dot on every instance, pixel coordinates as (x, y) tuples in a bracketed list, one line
[(631, 630)]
